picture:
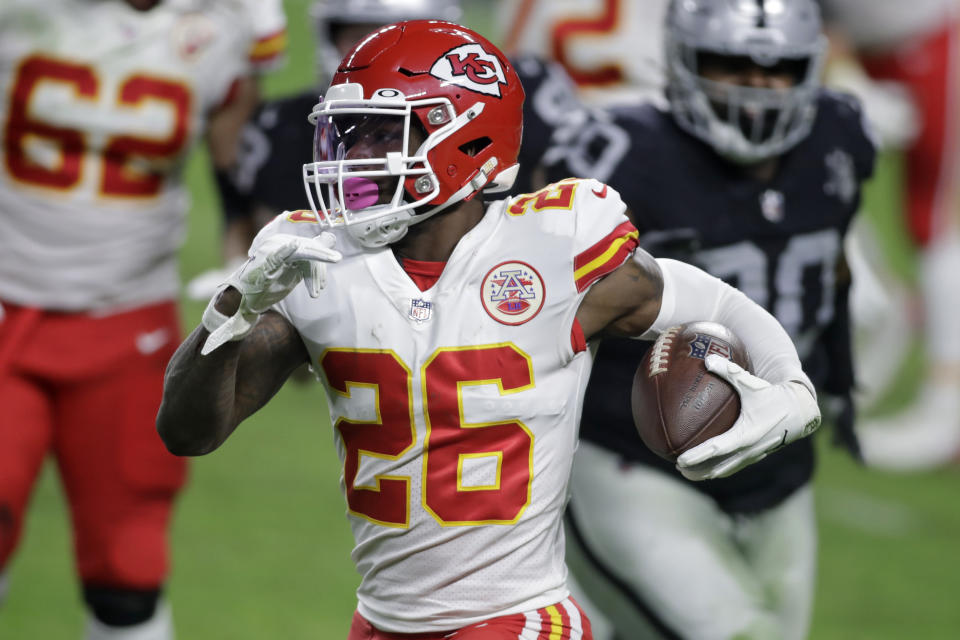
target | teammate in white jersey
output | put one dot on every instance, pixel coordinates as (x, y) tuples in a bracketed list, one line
[(452, 337), (101, 103)]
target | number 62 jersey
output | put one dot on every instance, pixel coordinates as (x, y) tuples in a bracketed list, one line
[(455, 408), (99, 105)]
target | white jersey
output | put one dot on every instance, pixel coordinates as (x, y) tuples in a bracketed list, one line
[(100, 105), (455, 409), (269, 24), (879, 24), (613, 49)]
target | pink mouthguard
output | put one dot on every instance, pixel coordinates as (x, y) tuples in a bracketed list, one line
[(359, 193)]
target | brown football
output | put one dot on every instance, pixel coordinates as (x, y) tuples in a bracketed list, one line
[(677, 403)]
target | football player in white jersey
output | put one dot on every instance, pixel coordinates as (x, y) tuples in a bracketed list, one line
[(101, 103), (452, 338)]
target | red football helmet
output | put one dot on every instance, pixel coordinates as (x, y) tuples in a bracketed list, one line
[(419, 116)]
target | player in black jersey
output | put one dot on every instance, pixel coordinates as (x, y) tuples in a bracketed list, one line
[(753, 174)]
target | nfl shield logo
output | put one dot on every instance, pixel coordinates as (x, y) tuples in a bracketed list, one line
[(420, 310), (704, 345)]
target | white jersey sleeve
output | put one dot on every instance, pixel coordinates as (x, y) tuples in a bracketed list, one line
[(602, 237), (269, 23)]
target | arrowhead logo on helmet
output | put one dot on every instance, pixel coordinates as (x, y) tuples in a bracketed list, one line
[(471, 67)]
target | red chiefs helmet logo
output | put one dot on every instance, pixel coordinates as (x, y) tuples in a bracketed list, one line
[(471, 67)]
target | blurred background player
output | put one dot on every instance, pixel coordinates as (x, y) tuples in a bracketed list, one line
[(753, 174), (278, 140), (103, 101), (612, 49), (887, 49)]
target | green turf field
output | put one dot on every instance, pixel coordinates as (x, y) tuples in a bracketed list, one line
[(261, 543)]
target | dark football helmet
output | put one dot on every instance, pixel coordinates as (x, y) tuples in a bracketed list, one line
[(744, 123)]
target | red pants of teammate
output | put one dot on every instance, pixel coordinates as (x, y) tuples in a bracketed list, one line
[(86, 389), (929, 69), (562, 621)]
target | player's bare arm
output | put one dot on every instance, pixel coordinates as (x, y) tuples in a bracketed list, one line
[(206, 397), (238, 358), (626, 302)]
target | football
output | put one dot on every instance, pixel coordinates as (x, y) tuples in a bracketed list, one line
[(676, 402)]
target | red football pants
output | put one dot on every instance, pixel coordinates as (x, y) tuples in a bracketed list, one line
[(562, 621), (86, 389), (929, 69)]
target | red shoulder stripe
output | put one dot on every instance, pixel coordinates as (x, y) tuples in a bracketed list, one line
[(604, 256)]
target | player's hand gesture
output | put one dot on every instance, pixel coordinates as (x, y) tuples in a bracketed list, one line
[(771, 416), (275, 267)]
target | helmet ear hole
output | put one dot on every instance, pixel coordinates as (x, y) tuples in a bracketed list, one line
[(475, 146)]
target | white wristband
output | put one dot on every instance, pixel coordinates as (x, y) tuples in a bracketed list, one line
[(212, 319)]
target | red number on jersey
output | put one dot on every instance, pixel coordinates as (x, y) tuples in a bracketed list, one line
[(451, 442), (21, 128), (388, 437), (555, 196), (566, 30), (119, 175)]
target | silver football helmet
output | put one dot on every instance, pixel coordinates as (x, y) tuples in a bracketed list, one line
[(327, 15), (745, 124)]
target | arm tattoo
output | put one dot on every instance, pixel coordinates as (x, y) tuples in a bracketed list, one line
[(206, 397), (269, 355)]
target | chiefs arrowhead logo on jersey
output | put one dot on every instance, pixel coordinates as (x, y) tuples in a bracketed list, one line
[(471, 67), (512, 293)]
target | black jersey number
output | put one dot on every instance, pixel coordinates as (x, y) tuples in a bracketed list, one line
[(787, 296), (591, 149)]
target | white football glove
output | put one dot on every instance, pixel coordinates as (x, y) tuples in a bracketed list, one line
[(274, 269), (771, 416)]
